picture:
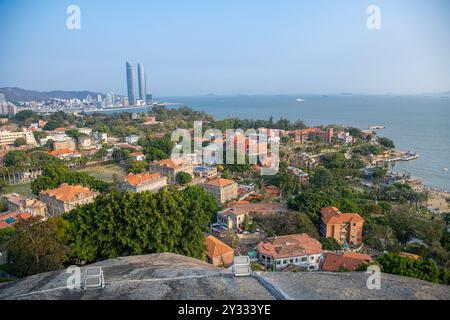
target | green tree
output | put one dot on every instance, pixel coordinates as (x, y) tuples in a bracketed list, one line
[(52, 125), (386, 142), (183, 178), (330, 244), (15, 158), (138, 166), (124, 223), (20, 142), (36, 247)]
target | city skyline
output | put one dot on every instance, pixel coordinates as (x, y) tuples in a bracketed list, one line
[(290, 48)]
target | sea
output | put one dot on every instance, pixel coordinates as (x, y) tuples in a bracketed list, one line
[(415, 123)]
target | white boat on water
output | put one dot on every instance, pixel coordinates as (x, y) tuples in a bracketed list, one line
[(378, 127), (300, 100), (445, 169)]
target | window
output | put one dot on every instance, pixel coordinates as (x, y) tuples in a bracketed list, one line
[(284, 261), (312, 258), (278, 262), (291, 260), (304, 259)]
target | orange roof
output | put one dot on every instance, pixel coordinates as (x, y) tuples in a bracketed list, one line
[(216, 248), (220, 182), (3, 224), (290, 246), (58, 153), (332, 215), (169, 163), (68, 193), (349, 260), (25, 215), (138, 179)]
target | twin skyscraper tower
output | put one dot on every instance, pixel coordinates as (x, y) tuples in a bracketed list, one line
[(142, 85)]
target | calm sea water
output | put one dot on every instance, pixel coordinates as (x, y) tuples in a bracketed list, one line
[(420, 124)]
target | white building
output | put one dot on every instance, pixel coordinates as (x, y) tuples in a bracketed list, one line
[(100, 136), (132, 139), (298, 250), (8, 137)]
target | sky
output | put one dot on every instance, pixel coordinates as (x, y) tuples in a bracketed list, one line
[(228, 46)]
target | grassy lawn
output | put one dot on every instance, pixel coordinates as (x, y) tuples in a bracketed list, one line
[(22, 188), (105, 173)]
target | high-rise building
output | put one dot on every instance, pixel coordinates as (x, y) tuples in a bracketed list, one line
[(2, 98), (149, 99), (142, 82), (130, 84), (99, 98), (109, 99)]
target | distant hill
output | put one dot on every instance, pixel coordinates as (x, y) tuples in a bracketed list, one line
[(18, 94)]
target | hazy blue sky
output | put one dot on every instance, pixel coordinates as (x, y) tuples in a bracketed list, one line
[(228, 47)]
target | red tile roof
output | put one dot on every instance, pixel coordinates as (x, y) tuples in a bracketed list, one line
[(332, 215), (138, 179), (290, 246), (68, 193), (220, 182), (216, 248), (349, 260)]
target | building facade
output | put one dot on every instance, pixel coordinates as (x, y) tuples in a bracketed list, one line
[(142, 82), (9, 137), (65, 198), (144, 182), (170, 168), (223, 189), (130, 85), (298, 250), (346, 228)]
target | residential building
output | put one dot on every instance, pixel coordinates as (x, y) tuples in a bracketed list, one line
[(231, 218), (67, 144), (170, 168), (349, 261), (9, 137), (346, 228), (217, 252), (132, 139), (344, 136), (65, 154), (223, 189), (85, 142), (138, 156), (65, 198), (144, 182), (298, 249), (206, 172), (302, 176), (17, 202), (309, 134), (100, 136)]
